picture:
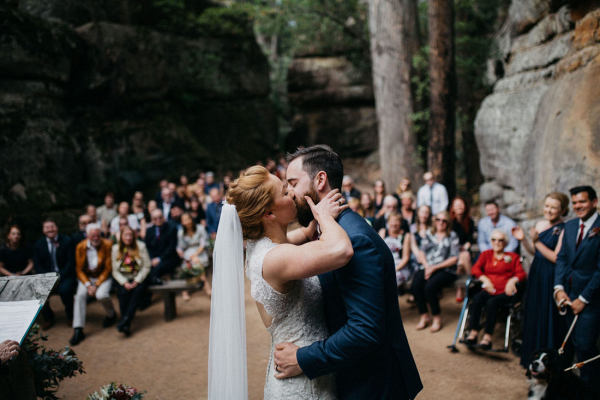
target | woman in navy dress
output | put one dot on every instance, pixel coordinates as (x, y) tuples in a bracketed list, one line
[(542, 327)]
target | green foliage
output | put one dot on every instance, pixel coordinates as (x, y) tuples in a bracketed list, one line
[(49, 367)]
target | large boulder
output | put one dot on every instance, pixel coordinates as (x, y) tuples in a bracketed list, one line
[(538, 131), (333, 103)]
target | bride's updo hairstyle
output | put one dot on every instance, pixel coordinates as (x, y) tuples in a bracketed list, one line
[(253, 196)]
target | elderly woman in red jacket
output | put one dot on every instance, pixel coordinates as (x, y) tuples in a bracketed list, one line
[(499, 273)]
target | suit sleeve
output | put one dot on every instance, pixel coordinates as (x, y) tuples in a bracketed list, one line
[(361, 283), (171, 248), (38, 264), (592, 290), (80, 256)]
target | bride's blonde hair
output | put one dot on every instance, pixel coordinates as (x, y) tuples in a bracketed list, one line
[(253, 197)]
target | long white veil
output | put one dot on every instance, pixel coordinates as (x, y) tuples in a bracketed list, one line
[(227, 370)]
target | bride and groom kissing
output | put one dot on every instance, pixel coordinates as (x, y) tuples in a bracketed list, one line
[(326, 292)]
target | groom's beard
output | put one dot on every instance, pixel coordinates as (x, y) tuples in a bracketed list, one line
[(305, 215)]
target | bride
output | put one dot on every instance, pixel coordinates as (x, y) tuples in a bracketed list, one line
[(282, 268)]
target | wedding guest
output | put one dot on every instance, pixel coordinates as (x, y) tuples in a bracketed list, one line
[(115, 237), (107, 212), (83, 222), (406, 207), (542, 326), (90, 210), (378, 196), (210, 182), (366, 203), (16, 258), (418, 232), (403, 186), (399, 244), (438, 255), (176, 213), (161, 242), (166, 202), (348, 189), (577, 280), (213, 212), (130, 268), (123, 212), (94, 267), (161, 185), (494, 220), (53, 253), (499, 271), (182, 191), (390, 205), (191, 247), (196, 211), (432, 194), (138, 208), (464, 226)]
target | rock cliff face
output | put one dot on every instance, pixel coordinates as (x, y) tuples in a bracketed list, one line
[(539, 131), (111, 106), (333, 103)]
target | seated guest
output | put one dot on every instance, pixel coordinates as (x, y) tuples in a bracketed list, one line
[(90, 210), (399, 244), (464, 226), (123, 212), (210, 182), (138, 208), (16, 258), (390, 205), (494, 220), (196, 211), (438, 255), (130, 268), (161, 242), (53, 253), (94, 267), (167, 201), (176, 213), (366, 202), (378, 196), (348, 189), (116, 236), (406, 207), (84, 221), (213, 212), (191, 247), (403, 186), (161, 185), (107, 212), (499, 271), (418, 232)]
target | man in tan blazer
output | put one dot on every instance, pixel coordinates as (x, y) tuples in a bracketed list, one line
[(93, 268)]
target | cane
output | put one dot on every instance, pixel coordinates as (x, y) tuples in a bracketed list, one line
[(581, 364), (562, 348)]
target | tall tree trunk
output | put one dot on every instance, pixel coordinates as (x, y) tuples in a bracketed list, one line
[(442, 79), (394, 41)]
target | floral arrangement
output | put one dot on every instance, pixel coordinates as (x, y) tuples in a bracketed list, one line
[(112, 391), (191, 270), (556, 231), (49, 367), (507, 259), (594, 232)]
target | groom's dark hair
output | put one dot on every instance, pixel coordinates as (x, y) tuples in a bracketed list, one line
[(317, 158)]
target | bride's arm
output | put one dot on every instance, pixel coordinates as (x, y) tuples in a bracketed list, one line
[(302, 235), (333, 250)]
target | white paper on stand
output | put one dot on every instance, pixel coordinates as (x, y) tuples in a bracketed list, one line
[(16, 317)]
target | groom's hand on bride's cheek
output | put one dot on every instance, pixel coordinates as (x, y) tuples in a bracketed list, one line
[(286, 363)]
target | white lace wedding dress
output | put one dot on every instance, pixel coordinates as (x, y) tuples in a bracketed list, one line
[(298, 317)]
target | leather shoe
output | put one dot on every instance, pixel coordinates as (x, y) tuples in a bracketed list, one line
[(109, 321), (124, 322), (78, 337)]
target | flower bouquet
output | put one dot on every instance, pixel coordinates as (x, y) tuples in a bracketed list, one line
[(191, 272), (114, 392)]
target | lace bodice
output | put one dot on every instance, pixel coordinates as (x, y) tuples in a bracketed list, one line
[(298, 317)]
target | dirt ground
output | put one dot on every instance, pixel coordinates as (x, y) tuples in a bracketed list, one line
[(169, 359)]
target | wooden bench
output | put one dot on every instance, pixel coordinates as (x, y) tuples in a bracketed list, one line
[(169, 289)]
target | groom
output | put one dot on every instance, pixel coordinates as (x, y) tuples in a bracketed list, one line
[(367, 349)]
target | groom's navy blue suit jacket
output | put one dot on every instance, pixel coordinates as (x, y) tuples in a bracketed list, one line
[(367, 348)]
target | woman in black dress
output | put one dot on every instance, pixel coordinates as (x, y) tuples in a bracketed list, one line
[(464, 226), (15, 257)]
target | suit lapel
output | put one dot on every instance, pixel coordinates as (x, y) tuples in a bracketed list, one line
[(586, 240)]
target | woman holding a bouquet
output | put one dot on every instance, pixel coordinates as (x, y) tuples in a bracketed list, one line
[(191, 247), (130, 267)]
